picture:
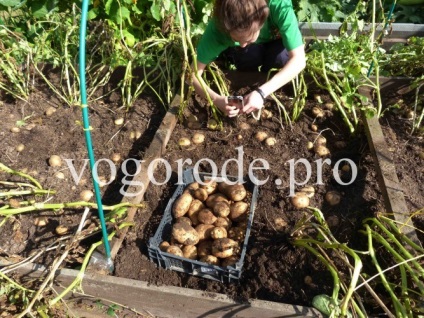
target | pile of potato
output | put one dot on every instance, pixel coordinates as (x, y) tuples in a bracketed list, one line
[(210, 222)]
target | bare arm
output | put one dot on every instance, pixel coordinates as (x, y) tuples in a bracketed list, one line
[(293, 67), (220, 101)]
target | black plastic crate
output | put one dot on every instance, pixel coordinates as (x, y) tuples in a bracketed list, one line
[(193, 267)]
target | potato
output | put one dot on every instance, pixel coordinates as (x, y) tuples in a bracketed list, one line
[(229, 261), (238, 211), (181, 205), (333, 197), (237, 233), (217, 197), (210, 259), (204, 231), (261, 136), (221, 209), (218, 232), (184, 219), (300, 200), (321, 150), (200, 194), (164, 246), (270, 141), (190, 251), (209, 185), (192, 186), (321, 140), (204, 248), (235, 192), (309, 191), (223, 222), (174, 242), (198, 138), (185, 234), (175, 250), (206, 216), (193, 211), (223, 247), (317, 112)]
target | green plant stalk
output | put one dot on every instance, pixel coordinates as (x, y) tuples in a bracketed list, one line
[(185, 51), (21, 203), (333, 94), (324, 230), (402, 249), (398, 306), (196, 74), (126, 86), (281, 108), (404, 289), (335, 99), (417, 124), (399, 258), (17, 184), (395, 229), (377, 84), (84, 265), (57, 206), (21, 174), (13, 283), (301, 92), (336, 280), (219, 81), (25, 192), (355, 274), (4, 220)]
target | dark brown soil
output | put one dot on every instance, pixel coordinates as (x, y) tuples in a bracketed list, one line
[(274, 270)]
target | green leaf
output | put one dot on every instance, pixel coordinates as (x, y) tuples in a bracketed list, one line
[(93, 13), (155, 10), (124, 14), (108, 6), (166, 4), (10, 3)]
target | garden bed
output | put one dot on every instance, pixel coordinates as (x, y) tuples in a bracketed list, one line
[(274, 270)]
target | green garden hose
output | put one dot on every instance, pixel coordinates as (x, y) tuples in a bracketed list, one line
[(84, 107)]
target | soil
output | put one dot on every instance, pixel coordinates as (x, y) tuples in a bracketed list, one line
[(273, 270)]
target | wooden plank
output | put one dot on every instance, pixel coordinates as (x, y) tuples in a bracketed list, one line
[(156, 150), (168, 301), (393, 194)]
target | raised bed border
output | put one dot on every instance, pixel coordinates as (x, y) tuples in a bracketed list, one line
[(167, 301), (398, 32)]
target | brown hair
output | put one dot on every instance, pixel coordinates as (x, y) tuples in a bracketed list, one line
[(239, 15)]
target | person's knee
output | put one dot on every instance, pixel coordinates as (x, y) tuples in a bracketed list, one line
[(276, 56)]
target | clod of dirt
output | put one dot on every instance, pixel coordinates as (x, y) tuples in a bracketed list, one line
[(280, 224), (50, 111)]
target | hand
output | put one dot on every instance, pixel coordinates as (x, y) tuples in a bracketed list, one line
[(228, 110), (252, 102)]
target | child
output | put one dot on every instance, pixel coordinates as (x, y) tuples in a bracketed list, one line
[(245, 32)]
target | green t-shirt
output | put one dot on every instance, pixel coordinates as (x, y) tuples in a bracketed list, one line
[(281, 22)]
